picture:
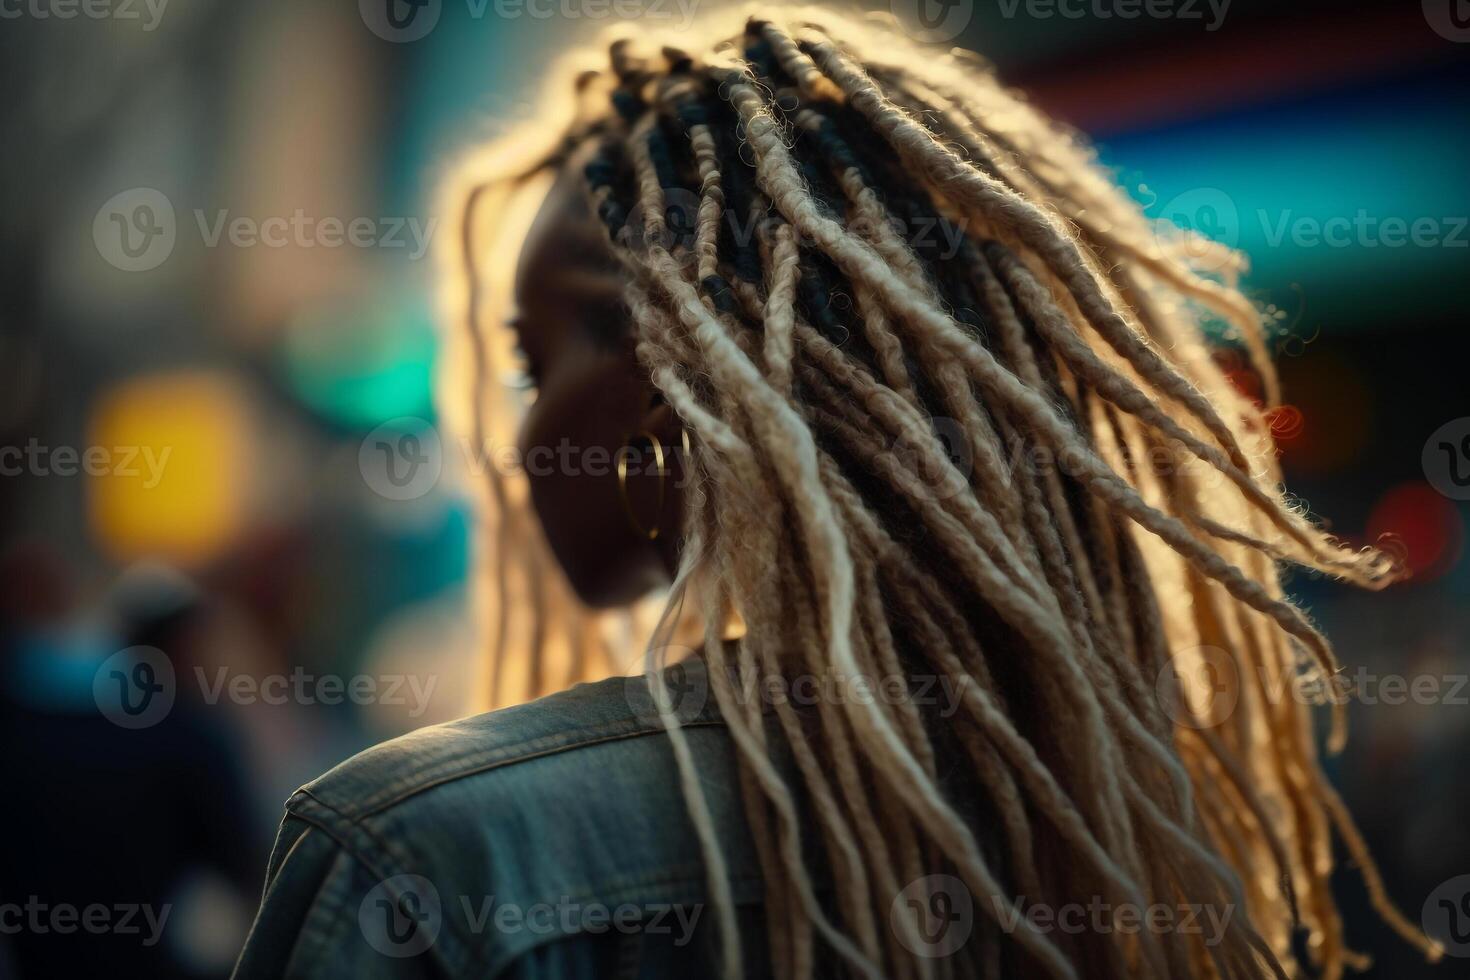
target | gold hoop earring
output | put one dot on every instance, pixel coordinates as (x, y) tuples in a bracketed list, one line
[(651, 533)]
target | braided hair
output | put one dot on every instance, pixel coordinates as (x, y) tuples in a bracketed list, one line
[(953, 418)]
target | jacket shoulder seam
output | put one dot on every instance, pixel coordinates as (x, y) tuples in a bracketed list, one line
[(486, 760)]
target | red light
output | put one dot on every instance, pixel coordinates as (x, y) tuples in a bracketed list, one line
[(1424, 528)]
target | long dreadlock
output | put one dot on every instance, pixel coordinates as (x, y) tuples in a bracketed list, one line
[(998, 453)]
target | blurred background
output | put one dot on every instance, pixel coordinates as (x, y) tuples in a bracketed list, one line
[(216, 270)]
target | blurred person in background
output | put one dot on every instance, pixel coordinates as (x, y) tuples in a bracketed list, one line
[(175, 840), (864, 361)]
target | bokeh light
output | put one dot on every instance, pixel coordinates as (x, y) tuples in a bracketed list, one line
[(183, 457), (1421, 526)]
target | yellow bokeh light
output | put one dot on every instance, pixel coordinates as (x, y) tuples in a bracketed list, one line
[(179, 447)]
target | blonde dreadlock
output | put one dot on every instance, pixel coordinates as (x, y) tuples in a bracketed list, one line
[(1039, 564)]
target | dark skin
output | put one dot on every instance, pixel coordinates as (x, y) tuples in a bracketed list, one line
[(592, 400)]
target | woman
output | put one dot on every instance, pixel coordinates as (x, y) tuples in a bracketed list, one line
[(911, 411)]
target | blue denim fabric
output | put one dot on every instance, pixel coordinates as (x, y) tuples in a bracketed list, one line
[(545, 840)]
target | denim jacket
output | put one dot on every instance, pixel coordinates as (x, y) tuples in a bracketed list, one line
[(546, 840)]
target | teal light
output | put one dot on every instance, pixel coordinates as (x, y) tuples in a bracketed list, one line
[(360, 363), (1361, 167)]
